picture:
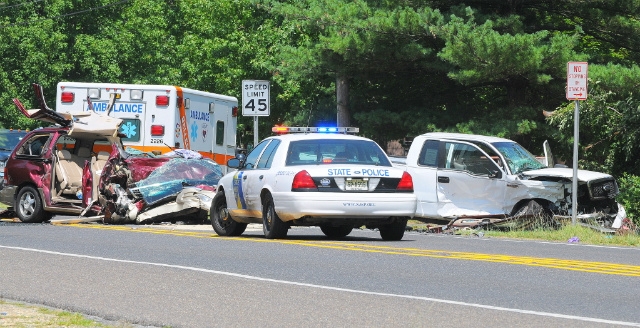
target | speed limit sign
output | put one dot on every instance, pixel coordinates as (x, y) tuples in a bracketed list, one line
[(255, 98)]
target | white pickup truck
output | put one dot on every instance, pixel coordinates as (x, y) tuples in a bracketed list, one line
[(471, 180)]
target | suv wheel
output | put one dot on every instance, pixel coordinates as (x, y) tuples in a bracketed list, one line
[(29, 206)]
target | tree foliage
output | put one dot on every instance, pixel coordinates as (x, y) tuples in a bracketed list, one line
[(489, 67)]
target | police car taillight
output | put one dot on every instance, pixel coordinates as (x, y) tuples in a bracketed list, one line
[(67, 97), (162, 100), (157, 130), (406, 182), (302, 181)]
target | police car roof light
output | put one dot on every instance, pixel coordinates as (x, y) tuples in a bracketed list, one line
[(309, 129)]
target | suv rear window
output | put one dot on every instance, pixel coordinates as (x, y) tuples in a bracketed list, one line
[(335, 151)]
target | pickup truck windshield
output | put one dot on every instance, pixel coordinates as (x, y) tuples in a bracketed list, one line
[(518, 159)]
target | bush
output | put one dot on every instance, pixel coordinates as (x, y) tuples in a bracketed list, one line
[(629, 196)]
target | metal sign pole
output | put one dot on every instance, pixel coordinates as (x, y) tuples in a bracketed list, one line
[(574, 187), (255, 131)]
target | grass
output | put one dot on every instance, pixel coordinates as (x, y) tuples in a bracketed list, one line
[(15, 314), (565, 233)]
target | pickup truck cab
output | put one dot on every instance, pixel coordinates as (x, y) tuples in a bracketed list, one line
[(470, 180)]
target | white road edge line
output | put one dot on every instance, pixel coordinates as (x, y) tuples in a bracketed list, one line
[(237, 275)]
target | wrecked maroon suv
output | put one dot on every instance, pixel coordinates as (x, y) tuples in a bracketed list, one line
[(78, 166)]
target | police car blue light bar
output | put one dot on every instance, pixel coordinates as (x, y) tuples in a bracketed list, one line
[(310, 129)]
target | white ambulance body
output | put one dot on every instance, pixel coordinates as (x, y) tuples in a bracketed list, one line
[(161, 117)]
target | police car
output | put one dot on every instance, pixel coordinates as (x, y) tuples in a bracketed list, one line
[(314, 177)]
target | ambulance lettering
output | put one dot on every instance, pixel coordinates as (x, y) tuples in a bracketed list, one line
[(201, 116), (128, 108), (118, 108)]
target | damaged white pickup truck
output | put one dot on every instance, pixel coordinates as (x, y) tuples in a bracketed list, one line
[(474, 180)]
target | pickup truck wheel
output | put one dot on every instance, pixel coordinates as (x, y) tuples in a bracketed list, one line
[(221, 221), (29, 207), (393, 231), (532, 215), (336, 232), (272, 226)]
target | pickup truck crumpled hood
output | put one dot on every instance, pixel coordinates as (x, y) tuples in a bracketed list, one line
[(563, 172)]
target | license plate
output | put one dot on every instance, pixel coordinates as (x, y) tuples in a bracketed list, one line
[(356, 184)]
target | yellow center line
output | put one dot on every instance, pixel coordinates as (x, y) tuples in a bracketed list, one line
[(554, 263)]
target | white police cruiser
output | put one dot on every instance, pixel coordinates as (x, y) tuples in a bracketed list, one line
[(332, 180)]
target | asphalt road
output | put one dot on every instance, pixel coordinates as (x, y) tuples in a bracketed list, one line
[(183, 276)]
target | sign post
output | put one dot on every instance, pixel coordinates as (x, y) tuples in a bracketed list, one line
[(255, 102), (576, 90)]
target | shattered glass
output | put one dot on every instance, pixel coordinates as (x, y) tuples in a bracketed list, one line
[(168, 180)]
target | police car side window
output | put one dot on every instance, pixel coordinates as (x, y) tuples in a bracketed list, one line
[(267, 156), (252, 159)]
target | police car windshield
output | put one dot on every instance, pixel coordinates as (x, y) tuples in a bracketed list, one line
[(335, 151)]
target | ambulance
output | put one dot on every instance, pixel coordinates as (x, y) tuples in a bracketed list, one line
[(161, 118)]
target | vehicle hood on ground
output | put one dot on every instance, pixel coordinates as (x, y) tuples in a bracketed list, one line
[(563, 172)]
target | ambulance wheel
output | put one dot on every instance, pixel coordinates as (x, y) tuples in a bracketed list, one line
[(272, 226), (29, 207), (221, 221), (336, 232), (393, 231)]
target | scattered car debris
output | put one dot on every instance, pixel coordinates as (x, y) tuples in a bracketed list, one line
[(79, 166)]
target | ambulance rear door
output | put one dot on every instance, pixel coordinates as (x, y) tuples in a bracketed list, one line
[(211, 124)]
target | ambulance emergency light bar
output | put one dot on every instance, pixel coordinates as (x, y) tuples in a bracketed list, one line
[(308, 129)]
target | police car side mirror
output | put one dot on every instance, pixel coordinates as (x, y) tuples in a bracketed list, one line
[(234, 163)]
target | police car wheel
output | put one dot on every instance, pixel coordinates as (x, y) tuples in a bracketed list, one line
[(336, 232), (272, 226), (221, 221), (393, 231), (29, 206)]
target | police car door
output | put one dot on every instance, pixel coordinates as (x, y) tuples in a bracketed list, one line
[(260, 176), (469, 182)]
